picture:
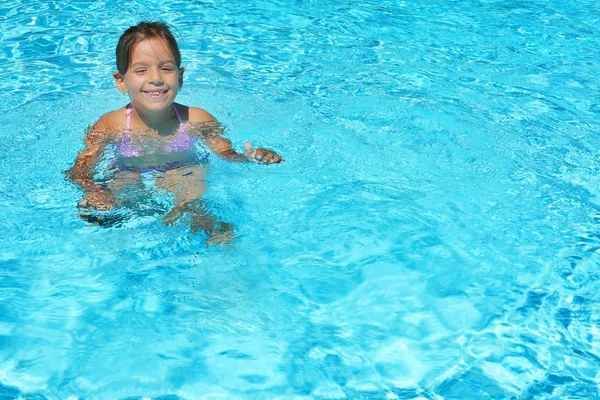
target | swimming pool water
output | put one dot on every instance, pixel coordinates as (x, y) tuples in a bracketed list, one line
[(432, 235)]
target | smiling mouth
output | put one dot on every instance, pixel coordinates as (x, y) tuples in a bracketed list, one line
[(155, 93)]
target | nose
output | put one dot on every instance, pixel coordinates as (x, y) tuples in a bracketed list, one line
[(155, 77)]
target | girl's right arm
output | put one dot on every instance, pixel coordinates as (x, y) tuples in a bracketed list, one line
[(82, 172)]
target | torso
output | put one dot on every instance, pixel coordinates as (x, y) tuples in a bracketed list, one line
[(144, 149)]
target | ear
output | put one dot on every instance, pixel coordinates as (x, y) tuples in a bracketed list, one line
[(181, 71), (120, 82)]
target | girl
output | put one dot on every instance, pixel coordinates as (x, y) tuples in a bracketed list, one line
[(155, 134)]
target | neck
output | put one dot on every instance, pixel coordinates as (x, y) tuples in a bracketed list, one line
[(154, 119)]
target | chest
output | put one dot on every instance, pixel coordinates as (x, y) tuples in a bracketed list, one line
[(137, 143)]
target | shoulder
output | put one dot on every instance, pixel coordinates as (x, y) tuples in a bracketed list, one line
[(112, 120), (195, 114), (109, 124)]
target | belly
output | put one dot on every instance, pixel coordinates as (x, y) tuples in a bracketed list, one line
[(156, 159)]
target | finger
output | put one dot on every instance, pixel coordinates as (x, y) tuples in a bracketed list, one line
[(251, 154), (269, 157), (274, 158), (277, 158)]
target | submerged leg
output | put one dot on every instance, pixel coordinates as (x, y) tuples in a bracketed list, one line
[(187, 186), (120, 181)]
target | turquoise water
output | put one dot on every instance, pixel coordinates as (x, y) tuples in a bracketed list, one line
[(434, 233)]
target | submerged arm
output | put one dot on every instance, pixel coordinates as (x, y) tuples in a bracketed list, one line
[(82, 172), (212, 134), (222, 147)]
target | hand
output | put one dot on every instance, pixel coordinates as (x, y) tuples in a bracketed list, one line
[(261, 156), (99, 199)]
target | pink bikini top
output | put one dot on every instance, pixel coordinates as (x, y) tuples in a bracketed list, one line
[(182, 142)]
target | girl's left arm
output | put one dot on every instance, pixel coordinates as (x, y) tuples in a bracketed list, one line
[(212, 134)]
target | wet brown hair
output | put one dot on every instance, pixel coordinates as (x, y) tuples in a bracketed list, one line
[(140, 32)]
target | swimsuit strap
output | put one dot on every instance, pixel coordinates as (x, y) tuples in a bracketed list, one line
[(128, 112), (178, 119), (177, 114)]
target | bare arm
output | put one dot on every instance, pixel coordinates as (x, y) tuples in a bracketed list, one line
[(222, 147), (206, 126), (82, 172)]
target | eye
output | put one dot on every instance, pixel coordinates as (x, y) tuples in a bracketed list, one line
[(140, 71), (167, 69)]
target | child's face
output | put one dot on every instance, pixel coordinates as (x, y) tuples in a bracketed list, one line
[(152, 79)]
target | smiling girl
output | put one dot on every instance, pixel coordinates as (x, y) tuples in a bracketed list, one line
[(153, 134)]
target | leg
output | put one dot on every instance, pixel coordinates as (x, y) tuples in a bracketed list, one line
[(187, 186), (118, 183), (121, 181)]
